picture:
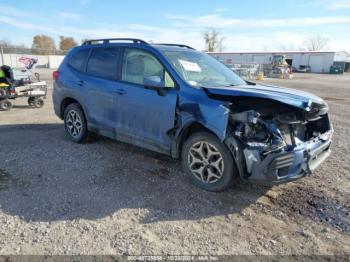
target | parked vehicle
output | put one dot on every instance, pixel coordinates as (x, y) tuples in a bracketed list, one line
[(294, 69), (336, 70), (12, 87), (304, 69), (181, 102)]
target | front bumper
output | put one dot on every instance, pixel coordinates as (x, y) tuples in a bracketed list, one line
[(287, 166)]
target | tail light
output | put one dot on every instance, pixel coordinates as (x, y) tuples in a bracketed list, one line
[(55, 75)]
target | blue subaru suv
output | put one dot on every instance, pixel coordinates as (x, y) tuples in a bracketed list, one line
[(183, 103)]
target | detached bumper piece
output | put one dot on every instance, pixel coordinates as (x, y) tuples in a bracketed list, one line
[(284, 167)]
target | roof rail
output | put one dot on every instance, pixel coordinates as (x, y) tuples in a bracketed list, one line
[(179, 45), (109, 40)]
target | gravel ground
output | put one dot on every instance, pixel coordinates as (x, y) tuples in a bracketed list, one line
[(106, 197)]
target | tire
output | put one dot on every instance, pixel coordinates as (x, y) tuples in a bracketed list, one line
[(37, 76), (38, 102), (31, 101), (75, 123), (213, 169), (5, 105)]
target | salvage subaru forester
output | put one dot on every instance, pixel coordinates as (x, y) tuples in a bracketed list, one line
[(181, 102)]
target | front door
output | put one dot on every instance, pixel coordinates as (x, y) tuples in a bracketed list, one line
[(144, 113)]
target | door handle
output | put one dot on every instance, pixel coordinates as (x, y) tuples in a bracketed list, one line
[(120, 91)]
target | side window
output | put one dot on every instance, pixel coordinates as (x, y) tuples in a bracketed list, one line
[(103, 62), (78, 59), (140, 67)]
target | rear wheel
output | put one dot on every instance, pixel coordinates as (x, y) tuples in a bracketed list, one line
[(5, 105), (38, 102), (208, 162), (75, 123)]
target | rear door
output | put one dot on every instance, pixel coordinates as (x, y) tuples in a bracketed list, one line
[(144, 113), (73, 71), (100, 84)]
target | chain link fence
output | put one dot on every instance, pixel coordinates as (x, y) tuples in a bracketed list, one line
[(247, 71), (253, 71), (31, 51)]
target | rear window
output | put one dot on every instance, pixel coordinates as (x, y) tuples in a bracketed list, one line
[(103, 62), (78, 59)]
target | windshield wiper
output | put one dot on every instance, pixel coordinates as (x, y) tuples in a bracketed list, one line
[(231, 85)]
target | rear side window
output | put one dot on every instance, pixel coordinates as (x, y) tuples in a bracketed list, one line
[(77, 61), (103, 62)]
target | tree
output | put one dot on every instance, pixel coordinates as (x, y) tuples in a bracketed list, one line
[(5, 43), (213, 40), (67, 43), (43, 45), (289, 47), (7, 46), (316, 43)]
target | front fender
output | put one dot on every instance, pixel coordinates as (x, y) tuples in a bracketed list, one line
[(213, 117)]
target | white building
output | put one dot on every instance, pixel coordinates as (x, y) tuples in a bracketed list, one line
[(320, 62)]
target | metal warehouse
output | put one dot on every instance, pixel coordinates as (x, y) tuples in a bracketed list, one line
[(320, 62)]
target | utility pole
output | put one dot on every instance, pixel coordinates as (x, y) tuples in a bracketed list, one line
[(2, 55)]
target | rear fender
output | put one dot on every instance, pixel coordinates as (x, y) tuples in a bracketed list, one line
[(74, 97)]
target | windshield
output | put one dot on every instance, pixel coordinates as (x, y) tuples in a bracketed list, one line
[(201, 70)]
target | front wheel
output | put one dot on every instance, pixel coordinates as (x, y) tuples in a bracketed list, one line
[(31, 101), (75, 123), (208, 162), (5, 105)]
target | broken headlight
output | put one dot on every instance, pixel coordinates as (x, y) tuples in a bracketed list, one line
[(256, 132)]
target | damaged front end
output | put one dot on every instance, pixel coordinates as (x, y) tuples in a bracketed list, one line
[(274, 142)]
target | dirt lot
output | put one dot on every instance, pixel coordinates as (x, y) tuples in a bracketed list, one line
[(105, 197)]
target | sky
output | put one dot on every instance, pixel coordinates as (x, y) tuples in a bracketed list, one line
[(246, 25)]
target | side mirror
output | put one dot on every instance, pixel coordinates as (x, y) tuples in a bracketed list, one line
[(155, 83)]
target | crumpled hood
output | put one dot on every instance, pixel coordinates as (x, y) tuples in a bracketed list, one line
[(284, 95)]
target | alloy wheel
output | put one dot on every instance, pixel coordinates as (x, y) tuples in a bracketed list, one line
[(206, 162), (73, 123)]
